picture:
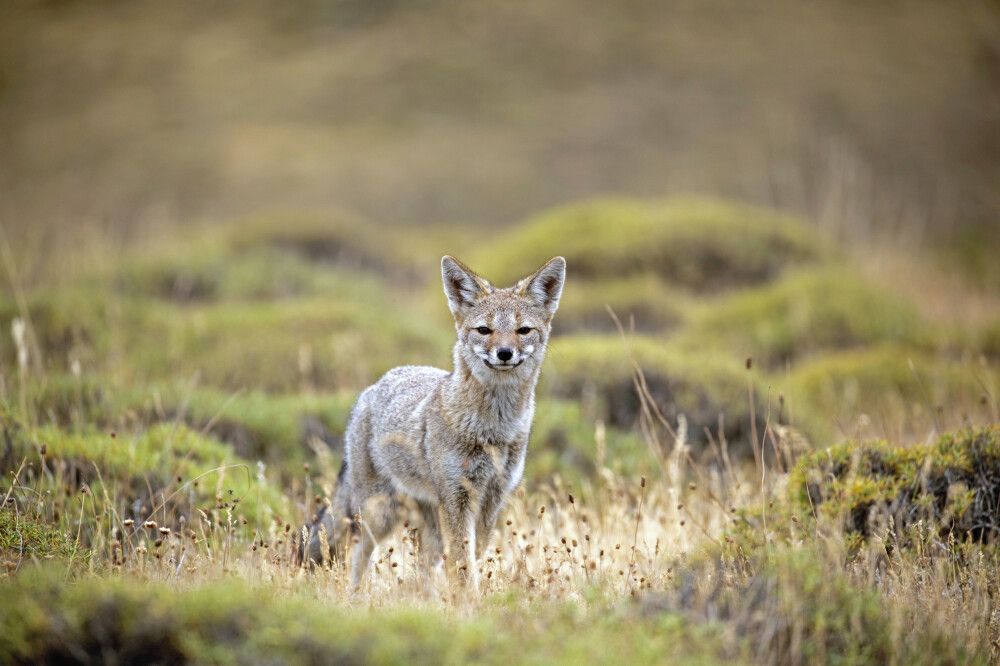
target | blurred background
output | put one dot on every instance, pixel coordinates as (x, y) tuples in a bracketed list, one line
[(868, 118), (253, 197)]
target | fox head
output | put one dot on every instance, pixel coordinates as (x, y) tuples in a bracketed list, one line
[(502, 332)]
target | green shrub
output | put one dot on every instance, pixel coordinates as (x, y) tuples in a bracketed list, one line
[(953, 484)]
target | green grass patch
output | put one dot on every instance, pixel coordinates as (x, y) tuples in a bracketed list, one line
[(46, 620), (565, 443), (278, 429), (799, 604)]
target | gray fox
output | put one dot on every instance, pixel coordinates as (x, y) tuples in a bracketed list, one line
[(452, 444)]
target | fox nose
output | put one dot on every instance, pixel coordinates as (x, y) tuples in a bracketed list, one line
[(505, 354)]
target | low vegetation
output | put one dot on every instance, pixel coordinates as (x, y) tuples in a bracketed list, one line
[(952, 486), (171, 420)]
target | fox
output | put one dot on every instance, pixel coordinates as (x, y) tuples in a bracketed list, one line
[(451, 443)]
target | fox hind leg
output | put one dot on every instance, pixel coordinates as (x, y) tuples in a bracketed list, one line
[(377, 514)]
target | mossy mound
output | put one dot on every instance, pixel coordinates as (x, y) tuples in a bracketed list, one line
[(63, 324), (987, 340), (345, 335), (185, 274), (400, 254), (168, 464), (952, 484), (284, 345), (706, 390), (279, 429), (641, 303), (804, 315), (891, 385), (700, 245)]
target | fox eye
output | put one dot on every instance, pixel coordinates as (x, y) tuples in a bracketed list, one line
[(484, 330), (524, 330)]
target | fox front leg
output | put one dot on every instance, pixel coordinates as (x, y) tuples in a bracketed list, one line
[(458, 527), (493, 500)]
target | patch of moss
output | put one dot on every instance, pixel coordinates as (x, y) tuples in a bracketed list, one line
[(209, 274), (24, 537), (596, 371), (701, 245), (341, 240), (953, 484), (804, 315), (987, 340)]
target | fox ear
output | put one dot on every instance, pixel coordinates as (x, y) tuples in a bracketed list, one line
[(546, 284), (461, 285)]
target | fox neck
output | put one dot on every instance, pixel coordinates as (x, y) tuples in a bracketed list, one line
[(497, 409)]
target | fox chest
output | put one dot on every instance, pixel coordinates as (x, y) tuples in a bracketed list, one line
[(486, 462)]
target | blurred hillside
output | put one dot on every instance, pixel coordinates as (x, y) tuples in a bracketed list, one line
[(873, 119)]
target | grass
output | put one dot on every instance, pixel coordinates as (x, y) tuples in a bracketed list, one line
[(150, 475), (233, 622), (23, 537), (179, 415)]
